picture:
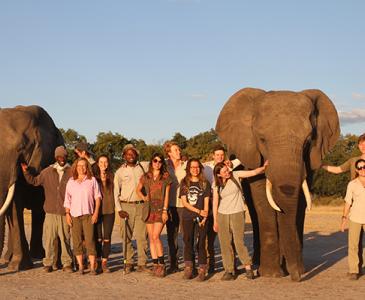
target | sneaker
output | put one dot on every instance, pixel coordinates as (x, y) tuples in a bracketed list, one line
[(227, 276), (67, 269), (354, 276), (48, 269), (249, 274)]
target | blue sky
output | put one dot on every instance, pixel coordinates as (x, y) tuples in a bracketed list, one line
[(148, 69)]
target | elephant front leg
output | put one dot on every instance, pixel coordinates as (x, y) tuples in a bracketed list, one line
[(290, 244), (20, 259), (269, 241)]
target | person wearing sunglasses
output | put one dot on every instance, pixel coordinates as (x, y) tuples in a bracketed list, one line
[(349, 165), (156, 184), (354, 215)]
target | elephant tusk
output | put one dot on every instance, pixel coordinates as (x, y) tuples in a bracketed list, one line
[(269, 195), (8, 199), (307, 195)]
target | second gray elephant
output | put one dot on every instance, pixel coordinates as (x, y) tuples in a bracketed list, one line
[(294, 131)]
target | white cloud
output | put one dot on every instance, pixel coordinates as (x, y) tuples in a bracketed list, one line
[(353, 116), (358, 96)]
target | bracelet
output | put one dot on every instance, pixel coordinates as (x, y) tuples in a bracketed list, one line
[(164, 208)]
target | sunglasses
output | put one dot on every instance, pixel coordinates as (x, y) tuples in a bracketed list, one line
[(360, 168), (157, 161)]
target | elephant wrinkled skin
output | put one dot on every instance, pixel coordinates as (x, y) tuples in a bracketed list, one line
[(27, 134), (293, 130)]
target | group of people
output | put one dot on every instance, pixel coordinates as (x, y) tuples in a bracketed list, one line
[(196, 199)]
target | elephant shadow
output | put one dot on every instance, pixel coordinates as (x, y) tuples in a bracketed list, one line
[(322, 251)]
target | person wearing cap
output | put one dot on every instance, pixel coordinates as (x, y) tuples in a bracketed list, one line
[(82, 150), (129, 206), (53, 179)]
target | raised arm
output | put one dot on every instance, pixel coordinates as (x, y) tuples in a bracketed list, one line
[(250, 173), (33, 180)]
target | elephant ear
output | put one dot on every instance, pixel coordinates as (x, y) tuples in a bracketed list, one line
[(234, 126), (326, 126)]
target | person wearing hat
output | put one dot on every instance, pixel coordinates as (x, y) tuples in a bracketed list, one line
[(129, 206), (82, 150), (53, 179)]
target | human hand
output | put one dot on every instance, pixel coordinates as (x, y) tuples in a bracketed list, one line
[(343, 224), (69, 219), (94, 218), (203, 213), (228, 163), (202, 223), (215, 227), (266, 163), (165, 217), (123, 214)]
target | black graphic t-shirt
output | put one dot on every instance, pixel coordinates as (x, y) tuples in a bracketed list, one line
[(195, 195)]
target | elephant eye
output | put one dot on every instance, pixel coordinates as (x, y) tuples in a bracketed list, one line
[(262, 140)]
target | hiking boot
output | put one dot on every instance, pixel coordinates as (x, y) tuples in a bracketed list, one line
[(202, 272), (188, 271), (173, 269), (227, 276), (104, 267), (154, 269), (67, 269), (249, 274), (48, 269), (353, 276), (160, 271), (129, 268)]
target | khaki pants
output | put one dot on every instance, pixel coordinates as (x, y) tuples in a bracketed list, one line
[(56, 226), (82, 226), (353, 250), (137, 228), (231, 228)]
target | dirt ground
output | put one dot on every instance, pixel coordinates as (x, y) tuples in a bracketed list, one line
[(325, 258)]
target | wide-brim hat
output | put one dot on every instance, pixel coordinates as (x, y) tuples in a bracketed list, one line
[(129, 147)]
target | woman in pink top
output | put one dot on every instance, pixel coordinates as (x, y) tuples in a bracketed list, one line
[(82, 202)]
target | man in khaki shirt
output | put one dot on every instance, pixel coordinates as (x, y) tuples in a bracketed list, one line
[(129, 206)]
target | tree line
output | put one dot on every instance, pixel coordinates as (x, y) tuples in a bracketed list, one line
[(201, 145)]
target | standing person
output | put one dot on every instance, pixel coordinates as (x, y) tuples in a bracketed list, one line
[(82, 151), (229, 217), (176, 169), (349, 165), (195, 191), (105, 224), (218, 156), (129, 205), (156, 182), (354, 214), (82, 203), (53, 179)]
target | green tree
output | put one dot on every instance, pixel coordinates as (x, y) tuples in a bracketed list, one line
[(180, 140), (201, 145), (327, 184)]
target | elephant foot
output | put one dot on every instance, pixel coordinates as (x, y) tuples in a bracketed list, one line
[(295, 276), (270, 273)]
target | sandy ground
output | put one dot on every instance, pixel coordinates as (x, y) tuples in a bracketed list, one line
[(325, 252)]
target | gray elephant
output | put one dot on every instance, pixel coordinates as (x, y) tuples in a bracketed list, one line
[(294, 131), (27, 134)]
